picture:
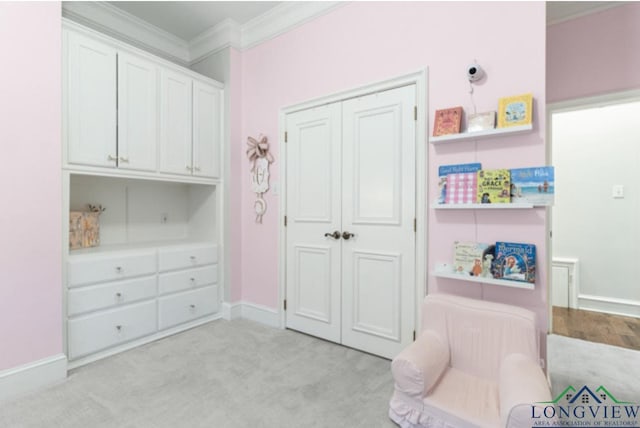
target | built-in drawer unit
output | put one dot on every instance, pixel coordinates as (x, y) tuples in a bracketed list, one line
[(172, 258), (187, 279), (93, 268), (103, 296), (98, 331), (190, 305)]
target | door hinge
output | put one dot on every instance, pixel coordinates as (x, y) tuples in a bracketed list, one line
[(285, 221), (415, 113), (285, 304), (414, 335), (415, 225), (286, 136)]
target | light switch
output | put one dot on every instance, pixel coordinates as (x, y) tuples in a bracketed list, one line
[(618, 191)]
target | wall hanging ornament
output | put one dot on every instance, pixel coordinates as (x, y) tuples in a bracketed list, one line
[(260, 158)]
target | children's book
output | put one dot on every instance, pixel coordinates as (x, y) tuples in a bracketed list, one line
[(514, 111), (515, 261), (493, 186), (533, 185), (457, 183), (468, 257), (481, 121), (447, 121)]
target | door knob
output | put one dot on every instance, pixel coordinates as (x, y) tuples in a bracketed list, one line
[(334, 235), (346, 235)]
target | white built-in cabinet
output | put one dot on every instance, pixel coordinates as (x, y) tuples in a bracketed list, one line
[(142, 138)]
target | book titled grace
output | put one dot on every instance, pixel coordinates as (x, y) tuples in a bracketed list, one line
[(447, 121), (515, 111)]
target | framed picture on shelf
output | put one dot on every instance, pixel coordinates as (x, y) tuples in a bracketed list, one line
[(481, 121), (447, 121), (516, 110)]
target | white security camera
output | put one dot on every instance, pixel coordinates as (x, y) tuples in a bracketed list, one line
[(474, 72)]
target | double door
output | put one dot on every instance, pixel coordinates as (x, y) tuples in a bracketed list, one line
[(350, 236)]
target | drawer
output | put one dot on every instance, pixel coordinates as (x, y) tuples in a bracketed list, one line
[(96, 332), (85, 269), (180, 257), (187, 306), (187, 279), (94, 297)]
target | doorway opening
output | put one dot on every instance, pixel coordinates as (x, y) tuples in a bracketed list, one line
[(596, 153)]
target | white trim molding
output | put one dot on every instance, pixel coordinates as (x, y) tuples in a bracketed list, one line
[(231, 311), (32, 376), (117, 23), (609, 305), (122, 25), (571, 265), (261, 314)]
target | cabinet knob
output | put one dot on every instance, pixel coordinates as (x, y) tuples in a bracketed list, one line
[(124, 160), (119, 296), (118, 269), (119, 328), (197, 168), (189, 168), (192, 307), (192, 258), (112, 158), (193, 281)]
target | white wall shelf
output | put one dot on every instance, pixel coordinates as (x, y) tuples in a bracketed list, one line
[(444, 271), (482, 135), (509, 206)]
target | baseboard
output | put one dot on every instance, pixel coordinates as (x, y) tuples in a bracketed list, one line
[(231, 311), (32, 376), (262, 314), (629, 308)]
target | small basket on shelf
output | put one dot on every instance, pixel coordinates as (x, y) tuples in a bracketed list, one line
[(84, 227)]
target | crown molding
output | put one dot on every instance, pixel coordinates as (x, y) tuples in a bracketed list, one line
[(282, 18), (122, 25), (227, 33), (586, 12)]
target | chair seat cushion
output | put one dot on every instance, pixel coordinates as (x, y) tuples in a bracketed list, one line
[(473, 400)]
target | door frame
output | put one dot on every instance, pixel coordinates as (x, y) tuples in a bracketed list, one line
[(418, 78), (573, 104)]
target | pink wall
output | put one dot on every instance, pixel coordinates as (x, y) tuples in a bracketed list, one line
[(30, 183), (364, 42), (595, 54), (237, 148)]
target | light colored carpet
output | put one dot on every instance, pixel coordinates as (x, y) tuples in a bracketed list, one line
[(577, 362), (243, 374), (222, 374)]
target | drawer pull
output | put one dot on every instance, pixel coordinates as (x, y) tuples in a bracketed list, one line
[(119, 328), (193, 307), (193, 281), (119, 296), (118, 269), (193, 258)]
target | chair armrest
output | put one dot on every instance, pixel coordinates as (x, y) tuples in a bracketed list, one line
[(419, 366), (521, 384)]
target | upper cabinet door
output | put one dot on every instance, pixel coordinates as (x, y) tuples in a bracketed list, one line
[(175, 123), (207, 130), (91, 98), (137, 113)]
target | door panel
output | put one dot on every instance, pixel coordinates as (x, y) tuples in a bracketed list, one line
[(313, 209), (378, 262), (207, 125), (91, 102), (137, 113), (175, 123)]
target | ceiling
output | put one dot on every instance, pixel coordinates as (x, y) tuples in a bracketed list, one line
[(187, 19)]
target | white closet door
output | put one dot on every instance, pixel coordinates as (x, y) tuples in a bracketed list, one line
[(175, 123), (91, 102), (378, 262), (313, 209), (137, 113)]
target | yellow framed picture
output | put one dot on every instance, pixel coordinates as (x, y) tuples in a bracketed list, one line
[(516, 110)]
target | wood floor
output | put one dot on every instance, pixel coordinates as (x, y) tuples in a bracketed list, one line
[(597, 327)]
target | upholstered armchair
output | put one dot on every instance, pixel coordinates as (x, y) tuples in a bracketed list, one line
[(475, 364)]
